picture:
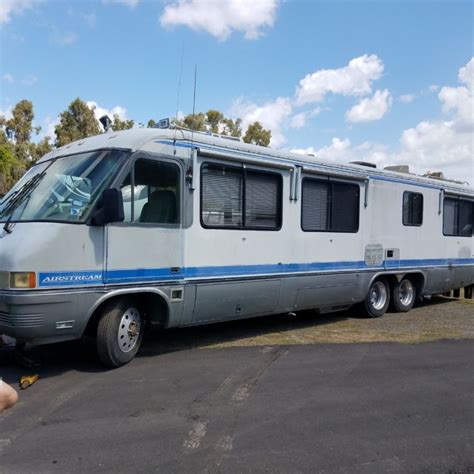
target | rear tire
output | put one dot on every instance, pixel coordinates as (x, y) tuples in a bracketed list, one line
[(377, 299), (404, 296), (119, 332)]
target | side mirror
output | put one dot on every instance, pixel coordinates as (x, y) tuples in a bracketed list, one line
[(109, 208)]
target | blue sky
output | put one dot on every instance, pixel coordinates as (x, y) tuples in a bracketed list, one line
[(386, 81)]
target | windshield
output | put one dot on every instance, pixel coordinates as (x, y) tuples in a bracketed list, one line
[(66, 188)]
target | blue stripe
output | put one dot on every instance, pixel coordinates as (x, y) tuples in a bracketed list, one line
[(143, 275)]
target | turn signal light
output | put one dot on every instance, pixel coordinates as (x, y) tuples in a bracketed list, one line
[(22, 280)]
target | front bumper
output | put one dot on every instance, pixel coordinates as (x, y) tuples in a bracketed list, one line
[(42, 317)]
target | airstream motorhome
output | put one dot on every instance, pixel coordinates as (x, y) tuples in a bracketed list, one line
[(172, 228)]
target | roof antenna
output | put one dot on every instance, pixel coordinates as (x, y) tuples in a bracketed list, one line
[(179, 92), (194, 103)]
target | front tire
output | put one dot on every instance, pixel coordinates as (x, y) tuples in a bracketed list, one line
[(119, 332), (404, 296), (377, 299)]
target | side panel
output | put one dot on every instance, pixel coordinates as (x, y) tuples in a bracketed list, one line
[(233, 300)]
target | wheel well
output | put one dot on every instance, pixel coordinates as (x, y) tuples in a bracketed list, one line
[(417, 279), (154, 307)]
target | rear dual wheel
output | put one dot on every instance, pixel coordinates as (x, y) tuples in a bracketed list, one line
[(404, 296), (120, 332)]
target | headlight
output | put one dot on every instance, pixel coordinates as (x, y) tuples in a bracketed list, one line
[(22, 280)]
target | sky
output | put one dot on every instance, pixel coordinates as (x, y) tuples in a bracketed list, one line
[(389, 82)]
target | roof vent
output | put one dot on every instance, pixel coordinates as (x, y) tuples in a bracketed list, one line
[(398, 168), (364, 163)]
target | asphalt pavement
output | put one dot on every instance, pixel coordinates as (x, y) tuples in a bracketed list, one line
[(378, 407)]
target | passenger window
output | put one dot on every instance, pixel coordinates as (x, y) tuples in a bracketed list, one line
[(227, 191), (151, 193), (262, 200), (221, 196), (412, 209), (458, 217), (329, 206)]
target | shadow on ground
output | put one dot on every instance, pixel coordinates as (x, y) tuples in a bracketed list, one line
[(81, 356)]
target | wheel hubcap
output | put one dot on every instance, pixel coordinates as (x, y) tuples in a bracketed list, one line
[(129, 329), (406, 292), (378, 295)]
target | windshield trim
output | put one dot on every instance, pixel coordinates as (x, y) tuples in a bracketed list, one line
[(108, 183)]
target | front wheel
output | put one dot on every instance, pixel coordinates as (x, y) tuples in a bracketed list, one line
[(404, 296), (377, 299), (120, 332)]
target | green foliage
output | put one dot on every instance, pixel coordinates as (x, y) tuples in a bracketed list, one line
[(76, 122), (11, 168), (19, 152), (118, 124), (40, 149), (196, 122), (257, 135)]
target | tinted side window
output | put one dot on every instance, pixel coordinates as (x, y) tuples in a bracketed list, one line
[(237, 198), (329, 206), (151, 193), (262, 200), (458, 217), (412, 209), (345, 207), (221, 196), (315, 205)]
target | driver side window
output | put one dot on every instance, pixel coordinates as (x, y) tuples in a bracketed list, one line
[(151, 193)]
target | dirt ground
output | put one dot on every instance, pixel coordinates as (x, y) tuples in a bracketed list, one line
[(435, 319)]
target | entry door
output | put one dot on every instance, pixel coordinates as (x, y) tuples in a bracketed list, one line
[(147, 246)]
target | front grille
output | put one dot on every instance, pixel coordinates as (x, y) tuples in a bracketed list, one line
[(21, 320)]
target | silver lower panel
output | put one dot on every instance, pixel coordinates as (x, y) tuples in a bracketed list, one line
[(59, 315)]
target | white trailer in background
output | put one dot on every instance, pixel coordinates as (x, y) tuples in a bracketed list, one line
[(173, 228)]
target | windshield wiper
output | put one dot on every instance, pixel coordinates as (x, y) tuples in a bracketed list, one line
[(18, 197)]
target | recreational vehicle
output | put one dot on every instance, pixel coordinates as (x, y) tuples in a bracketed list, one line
[(170, 228)]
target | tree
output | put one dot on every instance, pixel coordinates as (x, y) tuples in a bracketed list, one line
[(151, 123), (40, 149), (11, 168), (76, 122), (118, 124), (257, 135), (197, 122), (20, 128), (213, 119)]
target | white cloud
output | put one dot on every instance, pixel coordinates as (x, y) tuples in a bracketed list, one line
[(7, 77), (460, 100), (101, 111), (299, 120), (435, 145), (272, 115), (220, 18), (64, 39), (90, 19), (342, 151), (11, 7), (355, 79), (128, 3), (29, 80), (371, 108), (7, 113), (48, 128), (407, 98)]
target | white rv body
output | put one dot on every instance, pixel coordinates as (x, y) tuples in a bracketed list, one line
[(189, 274)]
